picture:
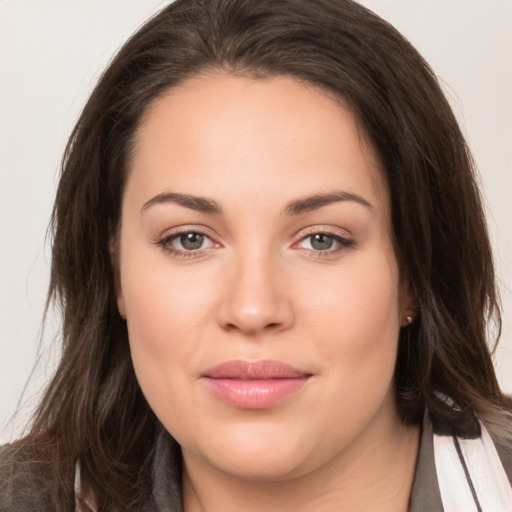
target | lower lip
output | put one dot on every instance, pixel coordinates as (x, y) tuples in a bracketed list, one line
[(254, 394)]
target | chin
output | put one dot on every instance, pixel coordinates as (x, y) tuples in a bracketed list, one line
[(262, 467), (271, 454)]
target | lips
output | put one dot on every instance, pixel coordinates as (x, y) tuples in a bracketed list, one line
[(254, 385)]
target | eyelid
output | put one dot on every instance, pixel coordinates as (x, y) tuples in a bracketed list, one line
[(324, 228), (163, 240), (182, 229), (344, 242)]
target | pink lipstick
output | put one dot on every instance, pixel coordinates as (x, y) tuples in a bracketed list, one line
[(254, 385)]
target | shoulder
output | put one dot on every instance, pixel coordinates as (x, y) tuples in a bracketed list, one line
[(25, 479)]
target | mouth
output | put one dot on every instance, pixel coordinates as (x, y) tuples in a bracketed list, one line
[(254, 385)]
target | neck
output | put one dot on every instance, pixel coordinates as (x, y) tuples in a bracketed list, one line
[(375, 473)]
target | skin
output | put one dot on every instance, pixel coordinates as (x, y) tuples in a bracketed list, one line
[(258, 289)]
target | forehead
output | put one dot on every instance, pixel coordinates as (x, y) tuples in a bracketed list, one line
[(252, 132)]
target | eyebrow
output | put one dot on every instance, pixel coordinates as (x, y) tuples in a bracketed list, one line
[(308, 204), (296, 207), (200, 204)]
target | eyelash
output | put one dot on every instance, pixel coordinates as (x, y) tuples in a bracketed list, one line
[(165, 243), (342, 244)]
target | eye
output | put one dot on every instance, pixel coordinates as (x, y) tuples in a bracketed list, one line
[(190, 241), (186, 243), (320, 243)]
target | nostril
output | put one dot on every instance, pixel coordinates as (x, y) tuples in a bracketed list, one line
[(251, 311), (272, 325)]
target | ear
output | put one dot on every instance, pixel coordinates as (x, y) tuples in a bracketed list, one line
[(115, 262), (120, 301), (408, 304)]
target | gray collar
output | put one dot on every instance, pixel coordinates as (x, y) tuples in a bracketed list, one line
[(425, 494)]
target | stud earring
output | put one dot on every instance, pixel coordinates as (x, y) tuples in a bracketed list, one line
[(408, 320)]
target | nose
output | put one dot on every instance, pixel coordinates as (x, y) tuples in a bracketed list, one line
[(256, 299)]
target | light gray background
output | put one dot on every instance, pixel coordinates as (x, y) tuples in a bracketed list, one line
[(53, 51)]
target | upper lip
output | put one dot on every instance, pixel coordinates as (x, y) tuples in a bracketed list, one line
[(254, 370)]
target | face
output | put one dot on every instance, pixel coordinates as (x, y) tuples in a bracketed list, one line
[(258, 278)]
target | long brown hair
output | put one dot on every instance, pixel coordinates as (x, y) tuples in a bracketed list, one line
[(93, 409)]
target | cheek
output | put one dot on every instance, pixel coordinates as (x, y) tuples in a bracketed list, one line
[(354, 320), (164, 301), (166, 313), (164, 332), (355, 317)]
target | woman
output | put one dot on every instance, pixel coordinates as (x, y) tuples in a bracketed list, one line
[(272, 298)]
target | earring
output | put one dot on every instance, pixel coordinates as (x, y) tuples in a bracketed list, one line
[(408, 320)]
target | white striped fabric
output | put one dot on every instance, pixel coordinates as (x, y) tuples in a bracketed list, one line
[(470, 475)]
